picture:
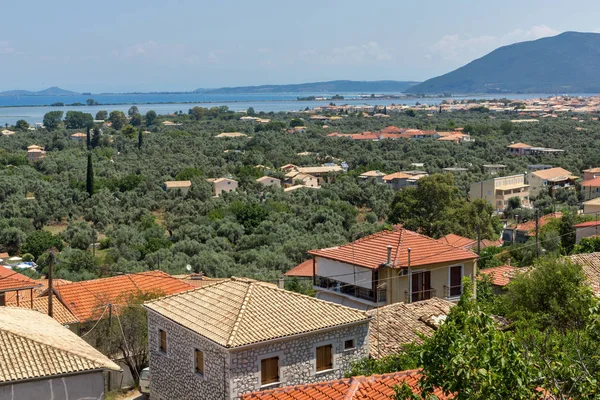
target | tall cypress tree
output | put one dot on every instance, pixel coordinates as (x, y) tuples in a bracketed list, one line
[(89, 182), (88, 138), (140, 139)]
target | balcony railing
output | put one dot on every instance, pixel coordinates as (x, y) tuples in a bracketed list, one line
[(425, 294), (453, 291), (350, 290)]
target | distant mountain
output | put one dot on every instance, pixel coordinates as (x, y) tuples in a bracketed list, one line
[(330, 87), (51, 91), (567, 63)]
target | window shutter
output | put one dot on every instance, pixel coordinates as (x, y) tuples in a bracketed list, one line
[(324, 358), (269, 370)]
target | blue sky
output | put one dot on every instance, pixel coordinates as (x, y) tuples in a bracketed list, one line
[(182, 45)]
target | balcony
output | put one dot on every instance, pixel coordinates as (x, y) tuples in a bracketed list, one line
[(348, 289), (452, 291), (420, 295)]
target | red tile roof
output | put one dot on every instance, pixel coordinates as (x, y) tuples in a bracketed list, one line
[(592, 182), (529, 226), (374, 387), (501, 275), (10, 280), (86, 299), (458, 241), (587, 224), (304, 269), (391, 129), (365, 136), (371, 251)]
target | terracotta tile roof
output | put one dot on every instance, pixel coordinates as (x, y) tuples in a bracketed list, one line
[(372, 173), (371, 251), (592, 202), (592, 170), (242, 311), (529, 226), (10, 280), (391, 129), (397, 324), (396, 175), (59, 312), (555, 172), (198, 280), (33, 345), (365, 136), (177, 184), (590, 263), (55, 282), (586, 224), (501, 275), (4, 256), (519, 146), (374, 387), (592, 182), (87, 298), (319, 170), (304, 269), (458, 241)]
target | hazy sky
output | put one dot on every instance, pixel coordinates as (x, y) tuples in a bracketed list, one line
[(152, 45)]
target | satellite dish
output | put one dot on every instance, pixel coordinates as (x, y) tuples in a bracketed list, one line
[(188, 267)]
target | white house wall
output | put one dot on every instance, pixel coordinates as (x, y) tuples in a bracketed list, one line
[(346, 273)]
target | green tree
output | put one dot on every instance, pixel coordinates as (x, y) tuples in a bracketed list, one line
[(150, 117), (429, 207), (250, 112), (78, 120), (89, 180), (21, 125), (136, 119), (118, 119), (140, 139), (38, 242), (133, 110), (53, 119), (567, 232), (470, 358), (102, 115), (91, 102), (296, 122), (411, 113), (96, 136), (553, 294)]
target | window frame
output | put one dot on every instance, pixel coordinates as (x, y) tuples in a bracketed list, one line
[(462, 275), (352, 347), (262, 371), (197, 370), (161, 348), (328, 367)]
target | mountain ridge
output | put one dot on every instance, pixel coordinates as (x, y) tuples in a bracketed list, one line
[(565, 63), (51, 91), (330, 87)]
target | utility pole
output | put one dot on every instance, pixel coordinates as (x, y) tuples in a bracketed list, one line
[(109, 319), (409, 278), (50, 286)]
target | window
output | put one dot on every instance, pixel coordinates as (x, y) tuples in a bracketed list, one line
[(163, 340), (349, 344), (269, 370), (324, 358), (199, 361), (455, 281), (2, 299)]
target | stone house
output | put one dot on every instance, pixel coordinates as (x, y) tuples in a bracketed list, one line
[(35, 153), (221, 185), (238, 336), (269, 181), (183, 186)]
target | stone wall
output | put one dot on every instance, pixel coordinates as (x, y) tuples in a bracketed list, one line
[(297, 359), (173, 374)]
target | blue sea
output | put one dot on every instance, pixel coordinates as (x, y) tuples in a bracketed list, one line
[(33, 108)]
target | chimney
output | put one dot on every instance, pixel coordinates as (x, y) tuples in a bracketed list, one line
[(197, 277), (281, 283), (389, 254)]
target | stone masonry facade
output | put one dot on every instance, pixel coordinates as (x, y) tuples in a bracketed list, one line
[(230, 373), (173, 374), (297, 358)]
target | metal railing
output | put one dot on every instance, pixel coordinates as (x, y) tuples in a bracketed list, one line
[(453, 291), (425, 294), (349, 289)]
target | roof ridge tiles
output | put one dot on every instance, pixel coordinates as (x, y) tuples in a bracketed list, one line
[(238, 320)]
